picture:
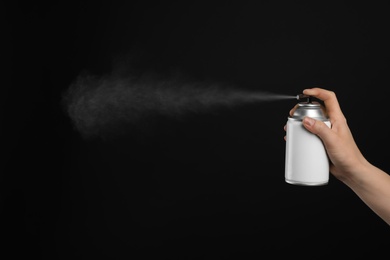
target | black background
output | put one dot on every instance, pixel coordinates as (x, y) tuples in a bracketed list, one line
[(210, 186)]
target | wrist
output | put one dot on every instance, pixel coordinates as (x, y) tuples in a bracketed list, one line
[(358, 175)]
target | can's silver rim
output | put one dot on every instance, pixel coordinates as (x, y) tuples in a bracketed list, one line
[(307, 183), (312, 110)]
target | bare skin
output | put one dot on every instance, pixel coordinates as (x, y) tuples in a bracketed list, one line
[(347, 163)]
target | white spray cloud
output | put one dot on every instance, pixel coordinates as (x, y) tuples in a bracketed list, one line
[(108, 105)]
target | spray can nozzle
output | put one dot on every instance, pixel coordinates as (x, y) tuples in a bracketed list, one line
[(303, 96)]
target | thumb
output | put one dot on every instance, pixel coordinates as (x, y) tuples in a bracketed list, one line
[(317, 127)]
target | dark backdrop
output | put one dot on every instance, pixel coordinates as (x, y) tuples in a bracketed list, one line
[(208, 186)]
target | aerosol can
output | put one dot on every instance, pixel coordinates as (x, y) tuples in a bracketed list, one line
[(306, 162)]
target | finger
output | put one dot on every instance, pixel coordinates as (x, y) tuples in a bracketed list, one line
[(293, 109), (319, 128), (329, 97)]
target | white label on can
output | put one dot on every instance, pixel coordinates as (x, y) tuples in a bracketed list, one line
[(307, 162)]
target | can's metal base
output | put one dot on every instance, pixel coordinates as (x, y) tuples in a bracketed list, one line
[(306, 183)]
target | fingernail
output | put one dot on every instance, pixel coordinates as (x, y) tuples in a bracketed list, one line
[(308, 121)]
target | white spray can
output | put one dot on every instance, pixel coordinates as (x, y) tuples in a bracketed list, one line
[(306, 162)]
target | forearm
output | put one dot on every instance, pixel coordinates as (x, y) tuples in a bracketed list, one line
[(372, 184)]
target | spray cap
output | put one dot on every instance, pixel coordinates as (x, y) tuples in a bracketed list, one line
[(302, 96), (310, 109)]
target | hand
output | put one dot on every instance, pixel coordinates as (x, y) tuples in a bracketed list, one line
[(339, 143)]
